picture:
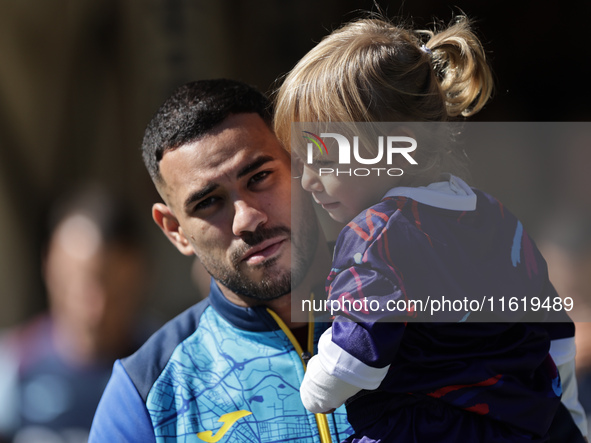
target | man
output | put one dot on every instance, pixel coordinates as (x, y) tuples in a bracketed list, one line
[(229, 368), (54, 368)]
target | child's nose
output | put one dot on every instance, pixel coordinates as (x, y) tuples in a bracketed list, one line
[(310, 181)]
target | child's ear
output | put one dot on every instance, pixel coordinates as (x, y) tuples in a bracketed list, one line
[(169, 224), (406, 131)]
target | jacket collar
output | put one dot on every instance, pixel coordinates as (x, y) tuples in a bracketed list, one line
[(255, 319), (453, 194)]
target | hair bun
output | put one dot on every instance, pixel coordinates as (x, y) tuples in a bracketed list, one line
[(460, 63)]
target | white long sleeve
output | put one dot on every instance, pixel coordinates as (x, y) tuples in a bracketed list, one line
[(322, 392)]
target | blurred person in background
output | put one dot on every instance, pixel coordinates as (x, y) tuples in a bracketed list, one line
[(53, 369), (566, 245)]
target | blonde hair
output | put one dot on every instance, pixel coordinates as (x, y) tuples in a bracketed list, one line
[(373, 71)]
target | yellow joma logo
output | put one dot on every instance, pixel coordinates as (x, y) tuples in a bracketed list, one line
[(228, 421)]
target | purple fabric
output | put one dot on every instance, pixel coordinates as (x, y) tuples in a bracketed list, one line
[(404, 250)]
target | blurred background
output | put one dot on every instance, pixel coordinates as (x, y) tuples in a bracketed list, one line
[(79, 81)]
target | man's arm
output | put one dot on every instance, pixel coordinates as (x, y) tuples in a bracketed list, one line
[(121, 415)]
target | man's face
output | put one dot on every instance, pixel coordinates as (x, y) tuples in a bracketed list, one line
[(229, 194)]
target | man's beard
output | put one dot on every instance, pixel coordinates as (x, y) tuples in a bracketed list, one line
[(275, 282)]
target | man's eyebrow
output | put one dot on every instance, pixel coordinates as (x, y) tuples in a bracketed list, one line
[(198, 195), (254, 165)]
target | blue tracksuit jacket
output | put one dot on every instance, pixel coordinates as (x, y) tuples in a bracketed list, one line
[(217, 372)]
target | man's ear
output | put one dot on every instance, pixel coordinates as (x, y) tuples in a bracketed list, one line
[(169, 224)]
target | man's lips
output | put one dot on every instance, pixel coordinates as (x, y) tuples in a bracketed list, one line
[(263, 251)]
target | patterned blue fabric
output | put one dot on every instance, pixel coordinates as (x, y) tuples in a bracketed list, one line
[(242, 385), (237, 370)]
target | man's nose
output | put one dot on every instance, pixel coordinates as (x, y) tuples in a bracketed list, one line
[(247, 217), (311, 181)]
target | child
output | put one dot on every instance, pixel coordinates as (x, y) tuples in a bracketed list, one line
[(417, 235)]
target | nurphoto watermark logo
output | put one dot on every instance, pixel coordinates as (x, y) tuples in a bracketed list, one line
[(377, 159), (490, 152)]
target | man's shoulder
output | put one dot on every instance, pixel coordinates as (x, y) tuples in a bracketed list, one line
[(146, 364)]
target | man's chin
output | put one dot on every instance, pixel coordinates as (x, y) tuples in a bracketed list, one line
[(265, 291), (259, 284), (266, 270)]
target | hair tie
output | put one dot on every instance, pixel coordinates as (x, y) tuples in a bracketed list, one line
[(426, 50)]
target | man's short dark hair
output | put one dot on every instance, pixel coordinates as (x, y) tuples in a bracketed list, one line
[(193, 110)]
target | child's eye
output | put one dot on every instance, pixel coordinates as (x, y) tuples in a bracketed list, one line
[(297, 167), (322, 164)]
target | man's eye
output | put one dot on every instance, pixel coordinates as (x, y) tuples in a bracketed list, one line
[(259, 176), (206, 203)]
